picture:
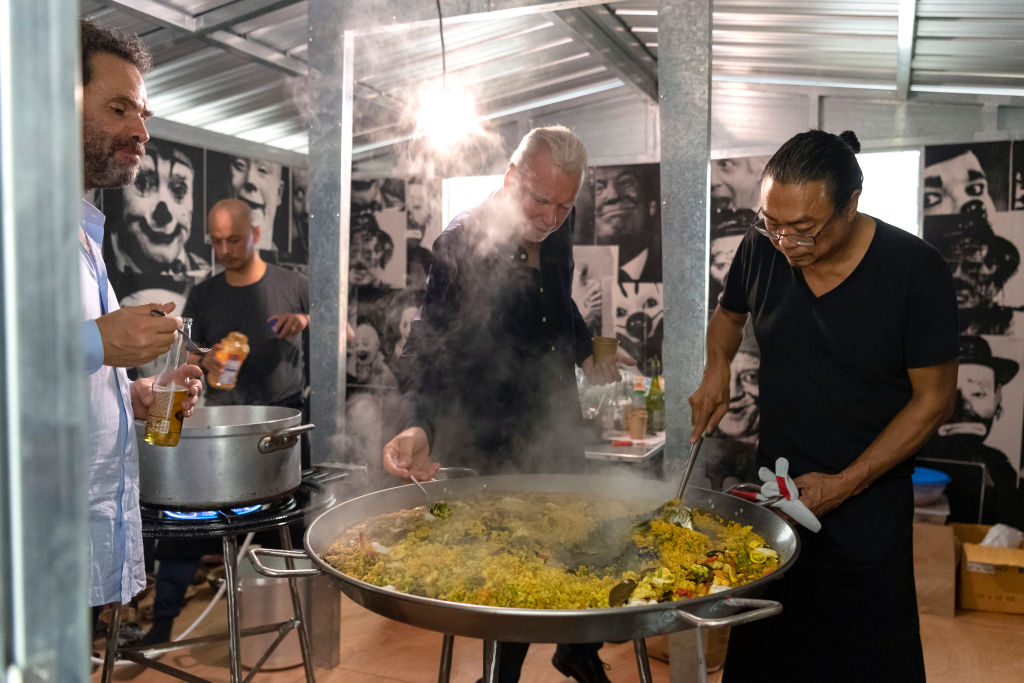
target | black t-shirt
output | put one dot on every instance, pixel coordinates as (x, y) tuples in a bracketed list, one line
[(272, 373), (834, 368)]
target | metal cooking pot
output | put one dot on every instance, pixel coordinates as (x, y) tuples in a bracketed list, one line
[(228, 456), (546, 625)]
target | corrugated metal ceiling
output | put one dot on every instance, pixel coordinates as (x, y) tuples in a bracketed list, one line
[(239, 67)]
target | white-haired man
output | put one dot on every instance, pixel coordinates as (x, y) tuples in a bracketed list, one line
[(490, 364)]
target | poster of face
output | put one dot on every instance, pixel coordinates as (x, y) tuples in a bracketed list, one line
[(736, 183), (735, 201), (583, 221), (423, 212), (728, 227), (593, 279), (377, 234), (154, 244), (298, 249), (1017, 176), (639, 324), (984, 256), (627, 202), (264, 186), (732, 454), (969, 179)]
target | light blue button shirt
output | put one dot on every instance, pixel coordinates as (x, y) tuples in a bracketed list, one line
[(116, 564)]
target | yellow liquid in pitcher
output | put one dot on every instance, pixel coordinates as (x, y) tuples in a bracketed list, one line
[(163, 422)]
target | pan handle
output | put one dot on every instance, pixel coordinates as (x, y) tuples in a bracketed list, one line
[(254, 559), (764, 609), (282, 438)]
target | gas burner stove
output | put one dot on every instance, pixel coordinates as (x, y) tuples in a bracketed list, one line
[(310, 498)]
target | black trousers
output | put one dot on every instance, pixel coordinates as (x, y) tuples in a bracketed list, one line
[(511, 656)]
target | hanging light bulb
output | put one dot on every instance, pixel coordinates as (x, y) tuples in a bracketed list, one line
[(445, 115)]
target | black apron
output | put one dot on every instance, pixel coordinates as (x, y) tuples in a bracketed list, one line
[(849, 602)]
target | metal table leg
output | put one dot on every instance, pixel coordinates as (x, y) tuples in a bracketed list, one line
[(490, 661), (444, 672), (230, 549), (302, 628), (643, 664), (111, 650)]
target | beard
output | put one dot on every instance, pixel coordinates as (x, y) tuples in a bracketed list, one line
[(102, 168)]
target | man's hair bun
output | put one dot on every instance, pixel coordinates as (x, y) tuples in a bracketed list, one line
[(850, 138)]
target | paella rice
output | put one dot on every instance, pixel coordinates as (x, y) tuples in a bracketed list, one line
[(536, 550)]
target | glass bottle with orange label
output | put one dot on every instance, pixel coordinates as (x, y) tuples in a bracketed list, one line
[(163, 421), (234, 349)]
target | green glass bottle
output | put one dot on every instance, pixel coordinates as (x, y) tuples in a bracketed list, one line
[(655, 401)]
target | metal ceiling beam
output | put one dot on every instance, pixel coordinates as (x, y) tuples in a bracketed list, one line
[(906, 23), (583, 26), (178, 21), (163, 14), (258, 51), (237, 12), (382, 15)]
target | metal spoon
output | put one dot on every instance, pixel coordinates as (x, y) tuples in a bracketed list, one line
[(439, 510), (189, 344)]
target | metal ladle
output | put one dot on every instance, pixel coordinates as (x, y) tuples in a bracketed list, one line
[(682, 515)]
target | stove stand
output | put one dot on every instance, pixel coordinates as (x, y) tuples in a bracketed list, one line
[(310, 498)]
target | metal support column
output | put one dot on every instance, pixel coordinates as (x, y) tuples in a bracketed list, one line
[(44, 575), (684, 79), (331, 56)]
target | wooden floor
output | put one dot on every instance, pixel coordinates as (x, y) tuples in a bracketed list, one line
[(973, 646)]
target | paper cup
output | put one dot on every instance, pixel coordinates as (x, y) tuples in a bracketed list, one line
[(604, 347), (637, 424)]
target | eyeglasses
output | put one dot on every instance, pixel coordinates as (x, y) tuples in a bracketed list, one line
[(799, 239)]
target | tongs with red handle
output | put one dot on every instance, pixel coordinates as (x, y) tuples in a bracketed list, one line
[(750, 492), (778, 491)]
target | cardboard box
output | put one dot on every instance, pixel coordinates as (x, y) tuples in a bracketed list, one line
[(991, 579), (935, 569)]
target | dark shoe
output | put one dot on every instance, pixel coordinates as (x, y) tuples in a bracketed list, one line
[(585, 668), (158, 634)]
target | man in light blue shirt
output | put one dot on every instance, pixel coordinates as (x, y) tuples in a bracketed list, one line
[(114, 110)]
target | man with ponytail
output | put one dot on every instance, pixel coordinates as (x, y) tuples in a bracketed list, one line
[(857, 325)]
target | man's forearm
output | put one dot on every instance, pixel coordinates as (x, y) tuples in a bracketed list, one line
[(725, 333)]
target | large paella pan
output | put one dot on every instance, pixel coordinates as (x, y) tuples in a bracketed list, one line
[(547, 625)]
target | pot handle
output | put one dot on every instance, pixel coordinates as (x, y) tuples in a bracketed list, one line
[(764, 609), (254, 559), (282, 438)]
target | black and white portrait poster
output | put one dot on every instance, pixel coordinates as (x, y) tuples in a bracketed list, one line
[(1017, 176), (618, 227), (736, 183), (264, 186), (968, 195), (627, 203), (968, 179), (735, 200), (639, 321), (594, 276), (154, 243), (297, 257)]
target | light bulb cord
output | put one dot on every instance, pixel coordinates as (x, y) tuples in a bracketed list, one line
[(444, 65)]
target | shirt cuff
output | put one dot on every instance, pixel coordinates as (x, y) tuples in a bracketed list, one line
[(92, 344), (426, 426)]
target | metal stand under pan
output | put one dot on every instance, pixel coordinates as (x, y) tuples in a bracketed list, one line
[(310, 498)]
